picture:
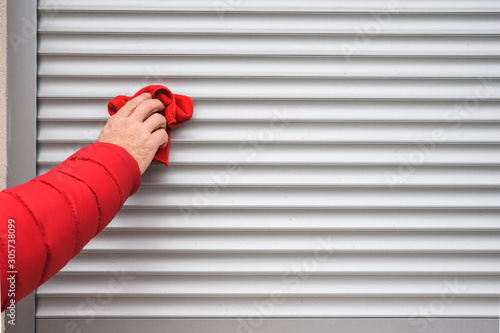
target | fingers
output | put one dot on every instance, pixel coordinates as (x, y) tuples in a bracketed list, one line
[(155, 121), (146, 109), (131, 105), (160, 138)]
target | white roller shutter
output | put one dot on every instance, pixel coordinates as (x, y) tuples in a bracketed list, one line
[(342, 161)]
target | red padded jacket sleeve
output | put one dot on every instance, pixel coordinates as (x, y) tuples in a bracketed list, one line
[(52, 217)]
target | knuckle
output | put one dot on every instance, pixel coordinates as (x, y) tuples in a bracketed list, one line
[(154, 116), (160, 118), (148, 102), (145, 135), (164, 135), (156, 103), (152, 145), (132, 104)]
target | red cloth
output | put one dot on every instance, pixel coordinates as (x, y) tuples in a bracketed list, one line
[(56, 214), (178, 110)]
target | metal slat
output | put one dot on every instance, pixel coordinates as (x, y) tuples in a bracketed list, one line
[(302, 219), (310, 307), (233, 155), (251, 23), (314, 197), (263, 285), (271, 325), (423, 6), (327, 67), (292, 110), (341, 263), (294, 133), (322, 176), (267, 44), (239, 88), (303, 241)]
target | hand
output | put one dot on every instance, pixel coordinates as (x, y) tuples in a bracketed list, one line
[(139, 128)]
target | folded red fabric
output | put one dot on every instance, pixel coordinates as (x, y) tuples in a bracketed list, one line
[(178, 110)]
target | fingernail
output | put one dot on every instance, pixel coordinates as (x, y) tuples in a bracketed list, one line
[(148, 94)]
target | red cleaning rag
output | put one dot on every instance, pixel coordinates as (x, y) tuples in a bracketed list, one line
[(178, 110)]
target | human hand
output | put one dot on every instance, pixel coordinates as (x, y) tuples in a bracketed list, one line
[(139, 128)]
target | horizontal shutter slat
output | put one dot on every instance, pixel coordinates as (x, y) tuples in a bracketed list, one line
[(251, 23), (422, 6), (267, 44), (292, 110), (249, 263), (372, 67), (283, 88), (308, 154), (263, 285), (313, 307)]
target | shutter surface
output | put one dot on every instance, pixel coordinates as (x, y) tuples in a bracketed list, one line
[(342, 161)]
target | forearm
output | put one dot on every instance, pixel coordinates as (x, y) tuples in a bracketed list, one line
[(58, 213)]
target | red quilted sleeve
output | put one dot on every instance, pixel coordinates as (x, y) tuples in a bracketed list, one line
[(47, 221)]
